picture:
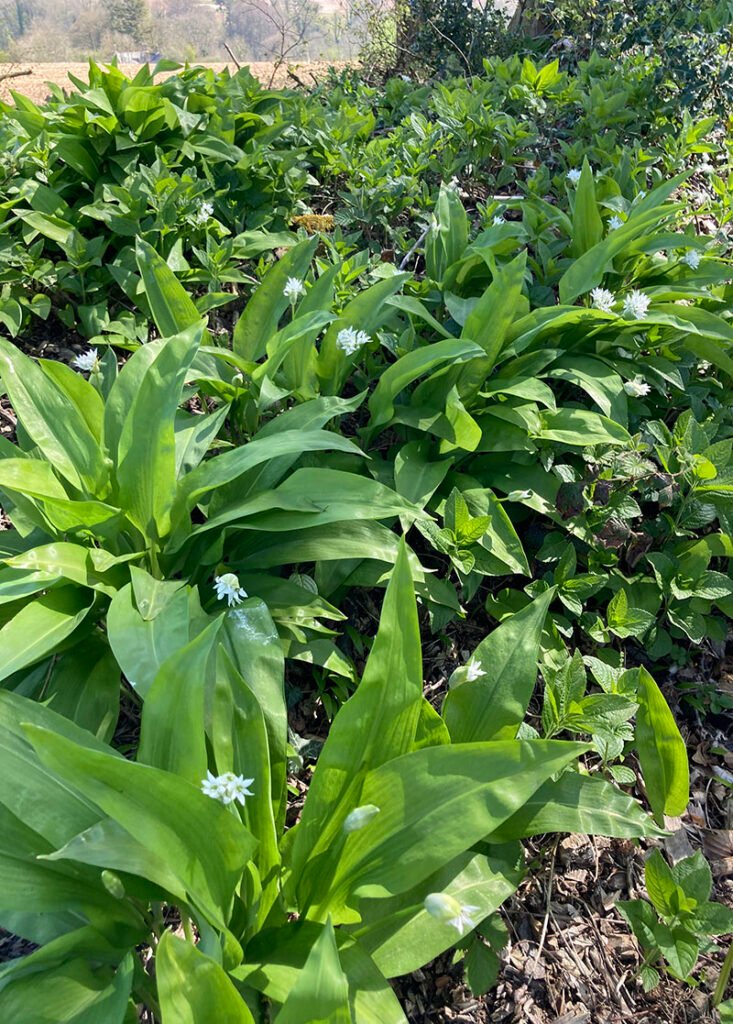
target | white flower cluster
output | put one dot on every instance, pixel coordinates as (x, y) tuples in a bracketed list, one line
[(636, 304), (498, 219), (203, 213), (293, 288), (87, 361), (227, 586), (692, 258), (227, 787), (448, 910), (637, 388), (573, 176), (349, 340), (614, 223), (603, 299)]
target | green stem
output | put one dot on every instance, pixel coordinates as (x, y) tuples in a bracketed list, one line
[(187, 929), (724, 977)]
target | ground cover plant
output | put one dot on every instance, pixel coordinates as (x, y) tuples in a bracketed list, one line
[(459, 351)]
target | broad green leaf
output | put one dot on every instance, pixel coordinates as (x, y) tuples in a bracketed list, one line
[(434, 804), (71, 562), (402, 936), (40, 627), (577, 803), (172, 308), (85, 687), (235, 463), (378, 723), (321, 992), (587, 223), (172, 734), (45, 803), (268, 302), (141, 643), (587, 271), (250, 637), (493, 706), (193, 988), (239, 740), (581, 427), (70, 994), (146, 473), (409, 368), (201, 841), (78, 390), (489, 321), (447, 237), (662, 752), (365, 312), (53, 422)]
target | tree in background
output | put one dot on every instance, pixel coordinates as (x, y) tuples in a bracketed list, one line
[(130, 18)]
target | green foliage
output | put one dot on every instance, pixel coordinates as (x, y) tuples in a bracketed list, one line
[(516, 406), (680, 919)]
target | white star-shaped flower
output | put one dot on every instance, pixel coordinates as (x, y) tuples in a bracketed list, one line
[(614, 223), (293, 288), (87, 361), (603, 299), (636, 304), (349, 340), (448, 910), (227, 586), (203, 213), (227, 787), (637, 388), (474, 670), (692, 258), (498, 219), (573, 176)]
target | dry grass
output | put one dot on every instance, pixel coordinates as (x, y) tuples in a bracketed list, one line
[(34, 86)]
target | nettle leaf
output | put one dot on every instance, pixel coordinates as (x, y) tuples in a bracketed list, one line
[(660, 884)]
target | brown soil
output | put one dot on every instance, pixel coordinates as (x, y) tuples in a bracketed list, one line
[(34, 85)]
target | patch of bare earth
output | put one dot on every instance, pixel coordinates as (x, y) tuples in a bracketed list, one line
[(35, 84)]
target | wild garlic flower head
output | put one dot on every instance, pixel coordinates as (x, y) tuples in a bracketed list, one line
[(637, 388), (349, 340), (227, 586), (448, 910), (692, 258), (227, 787), (636, 304), (603, 299), (203, 213), (360, 817), (573, 176), (474, 670), (87, 361), (293, 288), (498, 219), (614, 223)]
